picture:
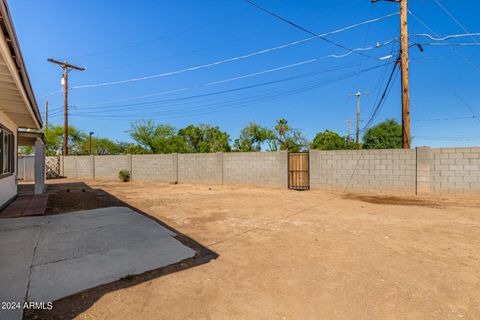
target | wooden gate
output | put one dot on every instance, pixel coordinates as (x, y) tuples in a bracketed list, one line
[(299, 171)]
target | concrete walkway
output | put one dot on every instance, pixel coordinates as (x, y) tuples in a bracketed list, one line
[(43, 259)]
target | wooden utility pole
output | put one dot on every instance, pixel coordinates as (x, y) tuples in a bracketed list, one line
[(357, 135), (406, 140), (348, 131), (405, 89), (46, 115), (66, 69)]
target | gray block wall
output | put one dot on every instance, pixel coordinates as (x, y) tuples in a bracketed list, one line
[(159, 167), (200, 167), (364, 170), (84, 166), (256, 168), (421, 170), (455, 170), (107, 167)]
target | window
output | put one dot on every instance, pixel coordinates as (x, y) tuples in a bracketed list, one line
[(7, 152)]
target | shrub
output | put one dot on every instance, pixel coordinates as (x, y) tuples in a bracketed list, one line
[(124, 175)]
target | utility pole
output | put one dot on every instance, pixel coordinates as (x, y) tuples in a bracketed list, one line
[(406, 140), (66, 69), (90, 141), (348, 131), (46, 115), (357, 135)]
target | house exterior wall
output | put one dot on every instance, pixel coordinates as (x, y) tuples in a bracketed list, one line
[(8, 184)]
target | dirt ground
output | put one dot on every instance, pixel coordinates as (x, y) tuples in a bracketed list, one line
[(300, 255)]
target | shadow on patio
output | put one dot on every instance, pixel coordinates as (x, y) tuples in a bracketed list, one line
[(74, 197)]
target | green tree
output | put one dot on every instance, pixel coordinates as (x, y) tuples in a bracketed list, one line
[(135, 149), (287, 138), (160, 138), (252, 137), (205, 138), (385, 135), (26, 150), (101, 146), (329, 140), (54, 140)]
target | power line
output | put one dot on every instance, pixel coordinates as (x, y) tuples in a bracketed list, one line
[(154, 103), (454, 19), (449, 44), (302, 28), (453, 36), (238, 103), (137, 44), (381, 102), (232, 78), (237, 58), (455, 51), (176, 55), (447, 119)]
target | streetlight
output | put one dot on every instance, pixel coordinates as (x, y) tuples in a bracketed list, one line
[(90, 139)]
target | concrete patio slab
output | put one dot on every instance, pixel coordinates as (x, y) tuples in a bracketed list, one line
[(47, 258)]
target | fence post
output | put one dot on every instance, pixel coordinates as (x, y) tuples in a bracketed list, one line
[(92, 164), (220, 159), (131, 166), (424, 157), (283, 158), (62, 164), (176, 167)]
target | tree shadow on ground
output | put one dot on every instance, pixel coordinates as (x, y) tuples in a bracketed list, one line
[(71, 197)]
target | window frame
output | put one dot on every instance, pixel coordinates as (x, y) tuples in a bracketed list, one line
[(11, 155)]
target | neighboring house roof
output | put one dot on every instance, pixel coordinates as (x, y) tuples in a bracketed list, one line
[(17, 100)]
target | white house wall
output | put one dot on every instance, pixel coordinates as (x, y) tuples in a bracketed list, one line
[(8, 185)]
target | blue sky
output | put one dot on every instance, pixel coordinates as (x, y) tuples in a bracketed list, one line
[(131, 39)]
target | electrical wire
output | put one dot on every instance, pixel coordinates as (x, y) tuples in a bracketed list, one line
[(382, 100), (454, 19), (242, 102), (237, 89), (455, 51), (446, 119), (302, 28), (449, 44), (237, 58), (236, 77), (185, 53), (170, 35), (471, 109), (453, 36)]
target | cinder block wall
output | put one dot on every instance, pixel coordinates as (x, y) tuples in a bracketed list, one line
[(69, 167), (364, 170), (107, 167), (84, 167), (455, 170), (421, 170), (159, 167), (200, 167), (256, 168)]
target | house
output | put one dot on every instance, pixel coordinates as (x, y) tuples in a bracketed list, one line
[(19, 114)]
